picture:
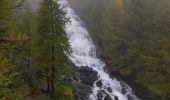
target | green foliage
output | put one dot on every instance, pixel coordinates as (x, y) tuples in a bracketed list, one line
[(50, 45), (64, 89), (9, 87), (12, 85), (133, 37), (26, 43)]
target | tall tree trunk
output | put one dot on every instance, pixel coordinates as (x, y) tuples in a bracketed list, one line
[(29, 34), (52, 51), (52, 72), (48, 81)]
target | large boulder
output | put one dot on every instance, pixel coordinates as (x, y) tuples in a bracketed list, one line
[(87, 75), (107, 97), (84, 80), (99, 83)]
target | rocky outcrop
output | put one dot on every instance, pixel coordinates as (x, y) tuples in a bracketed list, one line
[(84, 80)]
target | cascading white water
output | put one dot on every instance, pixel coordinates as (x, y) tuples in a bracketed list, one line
[(84, 54)]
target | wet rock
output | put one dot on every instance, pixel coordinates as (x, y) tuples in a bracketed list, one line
[(82, 92), (116, 98), (87, 75), (99, 83), (84, 80), (124, 90), (107, 97), (130, 97), (109, 89), (100, 94)]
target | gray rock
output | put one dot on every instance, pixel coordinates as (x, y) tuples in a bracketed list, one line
[(84, 80), (107, 97), (87, 75), (116, 98), (99, 83), (109, 89), (130, 97), (101, 94)]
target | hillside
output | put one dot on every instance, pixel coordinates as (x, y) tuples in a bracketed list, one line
[(132, 36)]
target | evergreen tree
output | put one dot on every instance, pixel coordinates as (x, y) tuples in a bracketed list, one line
[(133, 37), (11, 81), (51, 42)]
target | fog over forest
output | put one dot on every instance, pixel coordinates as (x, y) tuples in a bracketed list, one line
[(84, 49)]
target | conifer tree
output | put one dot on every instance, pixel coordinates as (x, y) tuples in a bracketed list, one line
[(50, 41), (11, 81)]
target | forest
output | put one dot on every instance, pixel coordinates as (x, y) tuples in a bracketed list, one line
[(131, 36), (32, 41)]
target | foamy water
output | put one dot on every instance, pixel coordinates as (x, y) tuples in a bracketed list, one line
[(84, 54)]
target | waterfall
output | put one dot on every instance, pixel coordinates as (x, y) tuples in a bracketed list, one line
[(84, 54)]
